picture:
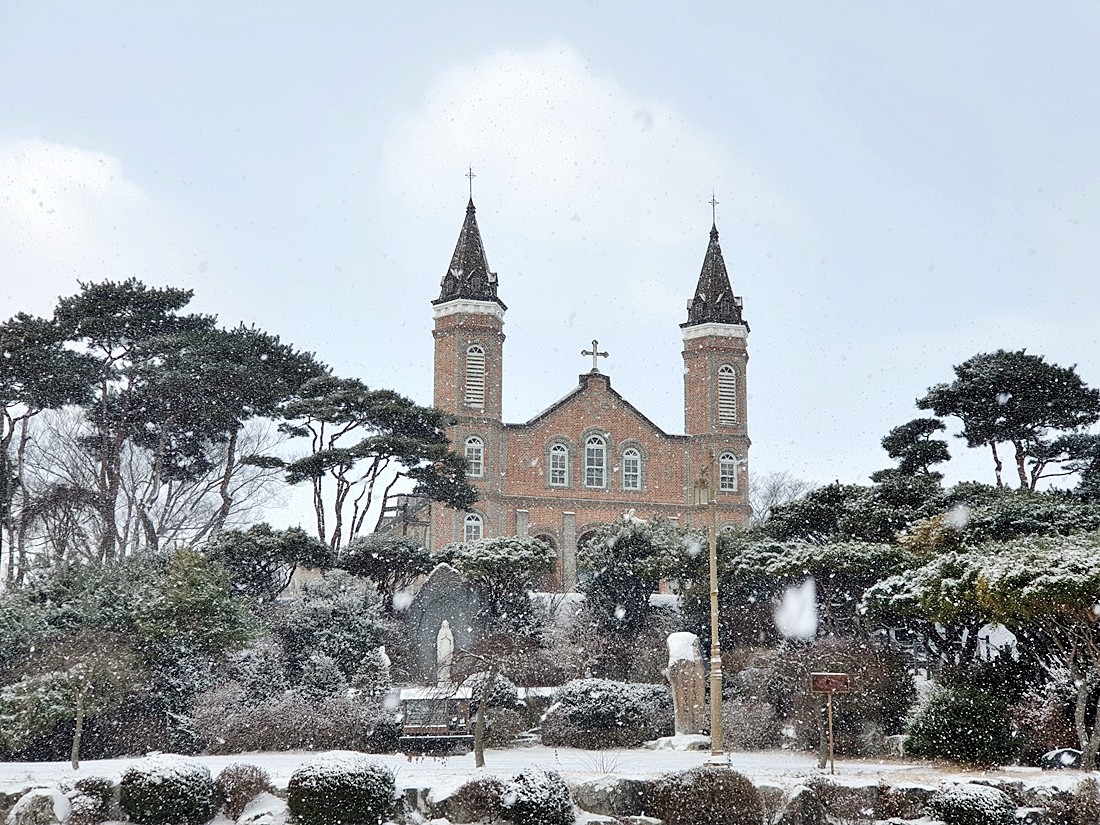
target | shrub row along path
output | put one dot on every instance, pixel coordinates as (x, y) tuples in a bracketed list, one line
[(444, 774)]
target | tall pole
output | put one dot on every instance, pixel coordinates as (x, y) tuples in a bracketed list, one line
[(717, 736)]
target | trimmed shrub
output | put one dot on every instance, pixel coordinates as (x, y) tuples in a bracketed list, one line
[(479, 800), (93, 801), (963, 724), (538, 797), (167, 790), (339, 788), (707, 795), (1082, 807), (237, 785), (750, 724), (600, 713), (226, 720), (972, 805)]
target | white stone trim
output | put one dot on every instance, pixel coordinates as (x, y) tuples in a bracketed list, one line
[(716, 331), (462, 305)]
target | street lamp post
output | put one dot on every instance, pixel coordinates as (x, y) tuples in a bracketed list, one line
[(706, 495)]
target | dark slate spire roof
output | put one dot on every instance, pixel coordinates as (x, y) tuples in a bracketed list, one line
[(714, 301), (468, 276)]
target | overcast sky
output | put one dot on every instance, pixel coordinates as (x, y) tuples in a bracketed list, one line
[(900, 186)]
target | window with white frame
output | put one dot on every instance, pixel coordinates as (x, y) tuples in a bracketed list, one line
[(727, 395), (559, 466), (475, 377), (473, 528), (632, 469), (475, 456), (595, 462), (727, 473)]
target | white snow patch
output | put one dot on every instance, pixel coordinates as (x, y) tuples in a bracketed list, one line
[(680, 742), (683, 646)]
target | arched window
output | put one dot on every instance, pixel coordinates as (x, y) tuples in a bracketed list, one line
[(727, 473), (475, 452), (559, 466), (632, 469), (473, 530), (727, 395), (475, 377), (595, 462)]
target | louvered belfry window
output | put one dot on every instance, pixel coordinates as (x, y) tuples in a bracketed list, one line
[(727, 395), (475, 377)]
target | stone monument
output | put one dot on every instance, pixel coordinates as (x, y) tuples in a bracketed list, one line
[(685, 675)]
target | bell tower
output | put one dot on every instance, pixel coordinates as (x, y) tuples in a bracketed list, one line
[(716, 361), (469, 347)]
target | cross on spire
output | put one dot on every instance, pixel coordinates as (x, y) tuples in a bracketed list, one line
[(470, 174), (595, 353), (713, 209)]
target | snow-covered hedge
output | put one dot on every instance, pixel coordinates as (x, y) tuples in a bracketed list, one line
[(167, 790), (237, 785), (538, 797), (964, 724), (601, 713), (707, 795), (972, 805), (341, 787)]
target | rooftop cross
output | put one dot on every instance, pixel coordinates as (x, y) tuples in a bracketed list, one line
[(713, 209), (595, 353), (471, 176)]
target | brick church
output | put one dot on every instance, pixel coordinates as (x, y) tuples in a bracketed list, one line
[(593, 455)]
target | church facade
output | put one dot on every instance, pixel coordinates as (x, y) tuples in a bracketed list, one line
[(592, 456)]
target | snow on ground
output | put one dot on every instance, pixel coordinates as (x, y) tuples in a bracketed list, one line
[(446, 773)]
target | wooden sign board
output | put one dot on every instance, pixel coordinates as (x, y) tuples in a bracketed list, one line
[(830, 683)]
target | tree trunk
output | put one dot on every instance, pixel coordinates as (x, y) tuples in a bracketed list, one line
[(1081, 685), (996, 463), (479, 724), (223, 487), (79, 729), (1021, 469)]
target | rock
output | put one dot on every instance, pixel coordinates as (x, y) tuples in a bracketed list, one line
[(40, 806), (1060, 759), (802, 808), (611, 796)]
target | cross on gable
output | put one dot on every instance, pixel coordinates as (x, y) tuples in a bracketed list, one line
[(595, 353)]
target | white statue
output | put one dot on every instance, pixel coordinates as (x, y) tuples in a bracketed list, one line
[(444, 651)]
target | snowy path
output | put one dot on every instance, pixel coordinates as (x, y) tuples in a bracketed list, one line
[(779, 767)]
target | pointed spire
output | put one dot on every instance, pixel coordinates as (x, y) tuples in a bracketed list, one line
[(714, 301), (468, 276)]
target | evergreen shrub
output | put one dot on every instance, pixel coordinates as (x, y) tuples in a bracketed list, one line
[(479, 800), (707, 795), (167, 790), (237, 785), (963, 724), (972, 805), (601, 713), (538, 797), (340, 788)]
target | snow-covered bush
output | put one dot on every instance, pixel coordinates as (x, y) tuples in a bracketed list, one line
[(479, 800), (963, 724), (972, 805), (600, 713), (167, 790), (538, 797), (1082, 807), (92, 800), (341, 787), (226, 720), (749, 724), (237, 785), (707, 795), (1044, 716)]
